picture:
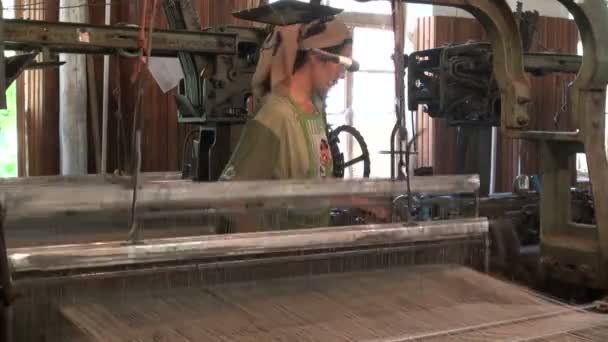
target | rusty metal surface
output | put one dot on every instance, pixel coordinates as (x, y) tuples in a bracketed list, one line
[(542, 63), (86, 38), (588, 98), (574, 252)]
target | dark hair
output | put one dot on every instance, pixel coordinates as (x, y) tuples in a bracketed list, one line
[(301, 56)]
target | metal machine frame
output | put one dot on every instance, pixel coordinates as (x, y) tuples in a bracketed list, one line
[(575, 252), (572, 252)]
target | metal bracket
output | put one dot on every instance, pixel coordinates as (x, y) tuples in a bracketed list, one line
[(575, 252)]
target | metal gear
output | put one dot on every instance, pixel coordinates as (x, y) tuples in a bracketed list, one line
[(338, 157)]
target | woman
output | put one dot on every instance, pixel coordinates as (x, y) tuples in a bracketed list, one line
[(287, 139)]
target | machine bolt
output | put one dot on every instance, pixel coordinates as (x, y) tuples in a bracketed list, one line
[(522, 120)]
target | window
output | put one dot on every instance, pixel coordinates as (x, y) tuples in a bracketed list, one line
[(8, 119), (370, 109), (8, 135), (374, 95)]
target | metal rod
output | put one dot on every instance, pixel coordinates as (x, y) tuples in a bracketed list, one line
[(71, 199), (81, 38), (543, 63), (392, 152), (105, 96), (88, 258), (17, 183)]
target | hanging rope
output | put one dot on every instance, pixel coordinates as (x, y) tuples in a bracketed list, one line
[(145, 44)]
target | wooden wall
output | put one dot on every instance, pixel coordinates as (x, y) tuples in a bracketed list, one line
[(38, 104), (437, 143)]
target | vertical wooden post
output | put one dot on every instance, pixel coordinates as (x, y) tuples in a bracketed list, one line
[(73, 98)]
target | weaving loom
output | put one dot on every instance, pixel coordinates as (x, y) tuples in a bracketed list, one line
[(372, 282), (424, 281)]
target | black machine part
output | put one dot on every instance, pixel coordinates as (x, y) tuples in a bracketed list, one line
[(339, 163), (217, 91), (287, 12), (457, 82)]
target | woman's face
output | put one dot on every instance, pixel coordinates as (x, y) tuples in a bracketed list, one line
[(325, 74)]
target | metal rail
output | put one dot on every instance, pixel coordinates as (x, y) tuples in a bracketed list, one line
[(90, 258), (61, 37), (542, 63), (154, 196), (17, 183)]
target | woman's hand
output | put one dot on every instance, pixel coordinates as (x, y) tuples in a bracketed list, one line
[(373, 207)]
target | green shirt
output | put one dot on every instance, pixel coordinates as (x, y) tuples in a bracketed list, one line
[(283, 142)]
